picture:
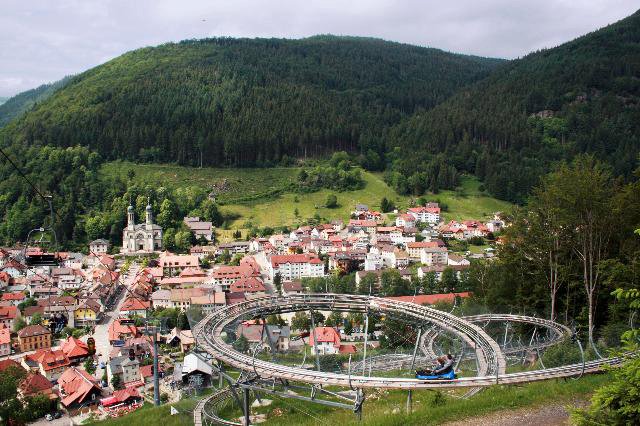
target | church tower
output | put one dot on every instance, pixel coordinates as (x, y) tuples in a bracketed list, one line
[(149, 213), (130, 217)]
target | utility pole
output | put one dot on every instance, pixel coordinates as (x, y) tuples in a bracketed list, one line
[(156, 377), (315, 341)]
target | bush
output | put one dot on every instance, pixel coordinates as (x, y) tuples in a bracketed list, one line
[(564, 353), (332, 201)]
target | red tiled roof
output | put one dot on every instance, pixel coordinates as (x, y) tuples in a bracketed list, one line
[(7, 363), (75, 348), (77, 385), (294, 258), (12, 296), (5, 336), (34, 383), (248, 285), (8, 312), (135, 304), (49, 359), (423, 244), (325, 334), (116, 329), (33, 330), (147, 371)]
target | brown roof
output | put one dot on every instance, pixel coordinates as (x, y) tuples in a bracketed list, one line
[(34, 383), (33, 330)]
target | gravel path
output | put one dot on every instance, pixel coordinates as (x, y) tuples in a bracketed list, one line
[(548, 415)]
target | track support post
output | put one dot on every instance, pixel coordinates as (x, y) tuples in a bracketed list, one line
[(245, 407)]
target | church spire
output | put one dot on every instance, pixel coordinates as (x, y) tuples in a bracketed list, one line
[(149, 213), (130, 215)]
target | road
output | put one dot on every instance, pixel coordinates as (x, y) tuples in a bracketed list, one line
[(101, 333)]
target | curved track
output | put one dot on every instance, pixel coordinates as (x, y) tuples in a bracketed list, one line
[(209, 329), (491, 357)]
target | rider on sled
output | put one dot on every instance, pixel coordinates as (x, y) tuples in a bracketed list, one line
[(444, 370)]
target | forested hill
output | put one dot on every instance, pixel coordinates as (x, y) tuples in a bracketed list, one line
[(582, 96), (22, 102), (246, 101)]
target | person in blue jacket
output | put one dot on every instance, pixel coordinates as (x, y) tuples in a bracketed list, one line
[(444, 370)]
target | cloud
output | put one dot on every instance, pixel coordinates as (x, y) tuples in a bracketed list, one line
[(42, 41)]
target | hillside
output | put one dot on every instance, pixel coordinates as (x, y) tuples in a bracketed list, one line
[(246, 101), (582, 96), (263, 197), (13, 107)]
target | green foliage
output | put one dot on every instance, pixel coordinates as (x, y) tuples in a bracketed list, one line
[(332, 201), (302, 97), (511, 127), (88, 366), (241, 344), (386, 206), (116, 382)]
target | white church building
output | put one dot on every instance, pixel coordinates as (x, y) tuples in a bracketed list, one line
[(142, 238)]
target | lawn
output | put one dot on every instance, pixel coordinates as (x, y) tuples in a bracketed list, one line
[(263, 197), (388, 407)]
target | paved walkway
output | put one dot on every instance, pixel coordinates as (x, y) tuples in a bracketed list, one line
[(548, 415)]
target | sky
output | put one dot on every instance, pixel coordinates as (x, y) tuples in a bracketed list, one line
[(43, 40)]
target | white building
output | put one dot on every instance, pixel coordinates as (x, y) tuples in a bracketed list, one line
[(142, 238), (295, 266), (99, 246), (434, 256), (430, 213), (372, 262)]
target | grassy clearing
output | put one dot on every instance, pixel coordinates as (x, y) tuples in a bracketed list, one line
[(388, 408), (262, 197)]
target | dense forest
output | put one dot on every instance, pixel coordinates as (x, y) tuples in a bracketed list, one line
[(583, 96), (246, 102), (15, 106)]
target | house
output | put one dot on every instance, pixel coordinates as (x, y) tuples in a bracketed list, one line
[(373, 261), (127, 368), (295, 266), (438, 269), (415, 248), (209, 302), (119, 331), (174, 264), (430, 213), (357, 225), (223, 276), (34, 337), (5, 341), (99, 246), (146, 373), (291, 287), (138, 347), (457, 260), (13, 298), (199, 228), (405, 220), (248, 285), (50, 363), (8, 315), (326, 339), (30, 311), (273, 336), (234, 247), (434, 255), (184, 338), (161, 299), (77, 387), (127, 397), (76, 350), (181, 298), (36, 384), (135, 307), (88, 312)]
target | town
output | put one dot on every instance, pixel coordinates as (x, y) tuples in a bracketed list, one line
[(85, 327)]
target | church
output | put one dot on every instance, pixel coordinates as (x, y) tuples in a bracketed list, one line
[(143, 238)]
